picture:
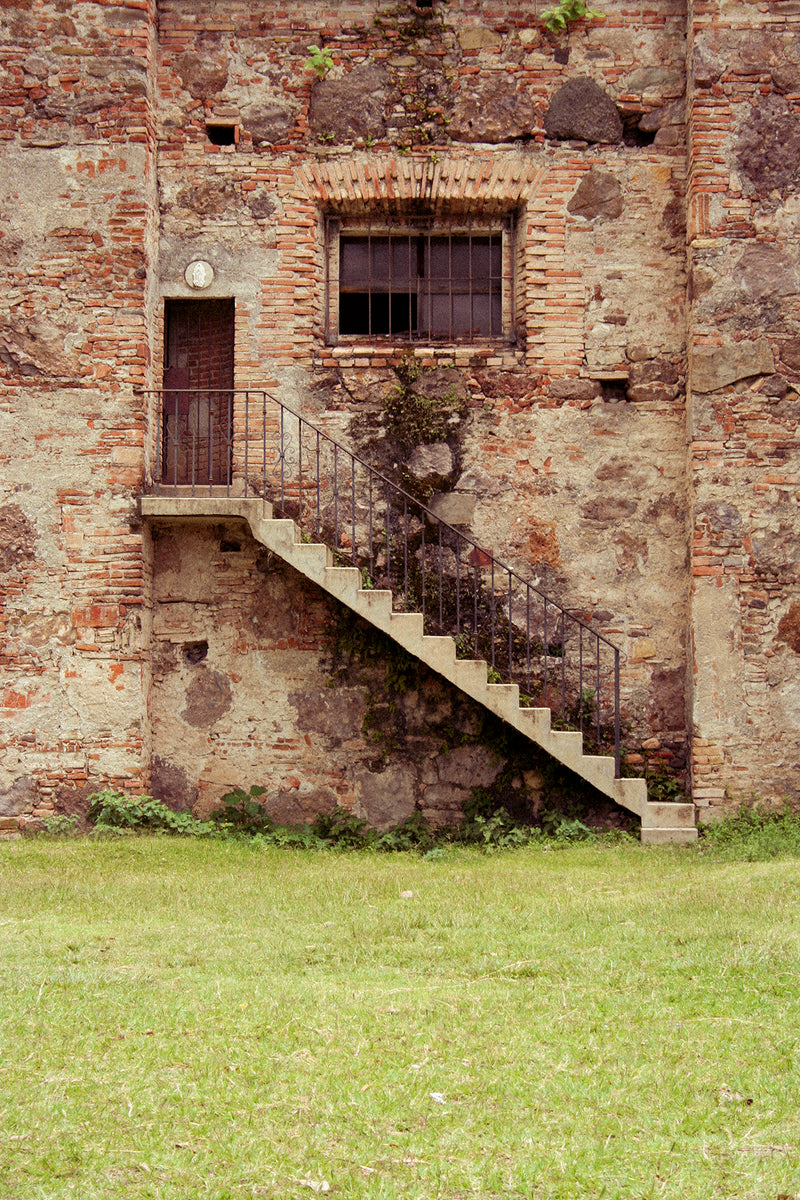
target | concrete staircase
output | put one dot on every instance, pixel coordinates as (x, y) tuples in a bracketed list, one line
[(661, 823)]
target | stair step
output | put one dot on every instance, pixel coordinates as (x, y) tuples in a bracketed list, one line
[(439, 652), (408, 627), (631, 794), (567, 748), (598, 767), (469, 673), (503, 699), (567, 739), (279, 535), (343, 579), (314, 553), (672, 836), (376, 606), (538, 717), (660, 815)]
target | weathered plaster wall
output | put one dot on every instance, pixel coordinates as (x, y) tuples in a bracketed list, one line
[(569, 462), (76, 193), (745, 454)]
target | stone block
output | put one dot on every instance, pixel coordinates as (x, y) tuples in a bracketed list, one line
[(581, 110), (479, 37), (454, 508), (714, 367), (599, 195)]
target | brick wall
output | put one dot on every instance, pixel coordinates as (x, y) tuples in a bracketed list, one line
[(78, 185), (571, 461), (743, 419)]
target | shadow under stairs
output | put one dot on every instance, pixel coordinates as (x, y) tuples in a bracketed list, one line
[(661, 822)]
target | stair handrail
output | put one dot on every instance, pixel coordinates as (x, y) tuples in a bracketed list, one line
[(220, 426)]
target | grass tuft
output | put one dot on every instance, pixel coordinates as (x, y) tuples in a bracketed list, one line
[(753, 833)]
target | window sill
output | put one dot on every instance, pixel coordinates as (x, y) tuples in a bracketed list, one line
[(465, 354)]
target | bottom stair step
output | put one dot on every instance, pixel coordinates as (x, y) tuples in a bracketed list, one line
[(668, 837)]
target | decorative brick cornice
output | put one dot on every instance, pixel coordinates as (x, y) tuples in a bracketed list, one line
[(482, 184)]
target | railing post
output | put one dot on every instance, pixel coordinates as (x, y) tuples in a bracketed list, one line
[(319, 488), (441, 582), (212, 412), (264, 447), (563, 670), (353, 554), (617, 749), (283, 460), (388, 537), (246, 443), (300, 472), (475, 599), (335, 496), (371, 541), (457, 553), (528, 639), (546, 650), (423, 573), (405, 548), (229, 447), (493, 604), (159, 424), (510, 632), (175, 440), (580, 677)]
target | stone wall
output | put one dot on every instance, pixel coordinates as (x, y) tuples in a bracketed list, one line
[(77, 193), (743, 420), (569, 458)]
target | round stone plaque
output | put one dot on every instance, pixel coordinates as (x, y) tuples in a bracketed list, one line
[(199, 274)]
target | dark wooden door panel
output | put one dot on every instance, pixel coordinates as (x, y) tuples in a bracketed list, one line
[(198, 383)]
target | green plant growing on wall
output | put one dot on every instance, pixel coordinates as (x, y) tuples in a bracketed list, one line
[(318, 60), (414, 419), (557, 19)]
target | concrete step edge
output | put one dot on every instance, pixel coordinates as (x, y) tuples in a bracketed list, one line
[(669, 836)]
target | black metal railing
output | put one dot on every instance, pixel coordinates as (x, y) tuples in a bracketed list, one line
[(249, 443)]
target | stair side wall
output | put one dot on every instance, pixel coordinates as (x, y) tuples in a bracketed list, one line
[(260, 677)]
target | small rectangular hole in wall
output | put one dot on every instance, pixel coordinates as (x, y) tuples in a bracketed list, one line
[(195, 652), (615, 388), (221, 135)]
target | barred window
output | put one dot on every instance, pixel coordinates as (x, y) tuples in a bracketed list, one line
[(420, 281)]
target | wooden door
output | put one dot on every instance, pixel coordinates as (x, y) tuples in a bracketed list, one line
[(198, 391)]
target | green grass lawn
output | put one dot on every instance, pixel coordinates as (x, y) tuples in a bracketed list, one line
[(201, 1019)]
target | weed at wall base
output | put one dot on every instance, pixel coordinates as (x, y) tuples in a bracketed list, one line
[(754, 833), (241, 817)]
